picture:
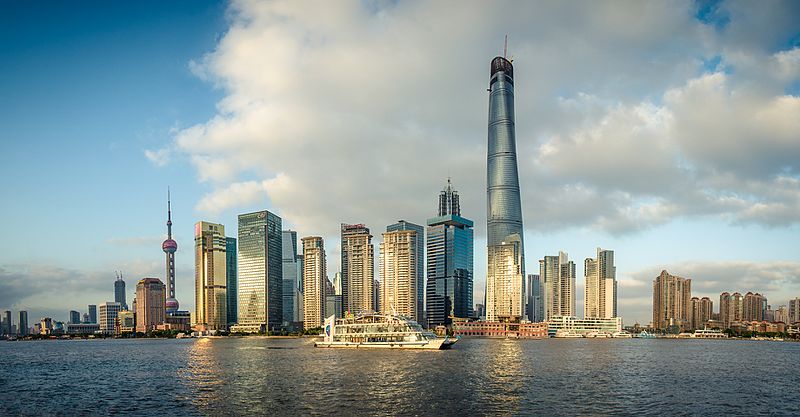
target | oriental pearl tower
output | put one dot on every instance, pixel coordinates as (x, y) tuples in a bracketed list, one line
[(170, 247)]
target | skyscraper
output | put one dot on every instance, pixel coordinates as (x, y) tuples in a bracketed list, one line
[(506, 259), (232, 279), (730, 308), (557, 275), (170, 247), (292, 275), (420, 255), (450, 262), (534, 307), (150, 304), (74, 317), (314, 282), (358, 269), (601, 286), (22, 326), (92, 313), (671, 301), (119, 291), (210, 277), (794, 310), (260, 272), (701, 310), (9, 325), (753, 307), (398, 272), (108, 316)]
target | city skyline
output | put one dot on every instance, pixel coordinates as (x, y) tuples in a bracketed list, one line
[(586, 180)]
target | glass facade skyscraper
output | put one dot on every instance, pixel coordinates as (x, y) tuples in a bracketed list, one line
[(232, 277), (449, 263), (292, 278), (420, 259), (534, 307), (260, 272), (119, 293), (506, 260)]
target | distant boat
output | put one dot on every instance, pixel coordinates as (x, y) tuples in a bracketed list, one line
[(645, 335), (380, 331), (598, 335), (568, 334), (622, 335)]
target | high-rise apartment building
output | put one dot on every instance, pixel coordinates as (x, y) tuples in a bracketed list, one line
[(22, 325), (210, 277), (671, 301), (449, 289), (92, 313), (534, 305), (119, 292), (260, 272), (74, 317), (794, 310), (108, 316), (701, 311), (557, 275), (9, 326), (753, 307), (315, 278), (731, 308), (399, 276), (601, 285), (150, 304), (232, 279), (420, 255), (505, 244), (292, 279), (782, 315), (358, 269)]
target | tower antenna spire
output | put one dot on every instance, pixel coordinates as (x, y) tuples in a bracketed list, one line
[(505, 47), (169, 215)]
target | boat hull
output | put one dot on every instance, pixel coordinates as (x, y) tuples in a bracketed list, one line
[(436, 344)]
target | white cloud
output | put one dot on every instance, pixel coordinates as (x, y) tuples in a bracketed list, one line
[(160, 157)]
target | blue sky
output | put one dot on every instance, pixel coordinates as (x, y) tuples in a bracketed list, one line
[(666, 132)]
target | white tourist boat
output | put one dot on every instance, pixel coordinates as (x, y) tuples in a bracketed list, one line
[(567, 334), (375, 330), (598, 335), (622, 335)]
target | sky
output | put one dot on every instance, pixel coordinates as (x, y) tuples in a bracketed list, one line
[(668, 132)]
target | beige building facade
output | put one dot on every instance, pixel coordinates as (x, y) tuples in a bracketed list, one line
[(399, 253), (672, 304), (504, 281), (314, 281), (210, 277), (151, 300)]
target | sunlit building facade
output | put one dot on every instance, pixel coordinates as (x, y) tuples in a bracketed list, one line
[(108, 316), (260, 273), (358, 269), (557, 276), (672, 297), (314, 282), (210, 278), (420, 259), (398, 272), (701, 312), (150, 305), (601, 285)]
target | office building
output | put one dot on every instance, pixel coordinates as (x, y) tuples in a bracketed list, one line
[(119, 291), (108, 317), (583, 326), (292, 280), (557, 276), (793, 311), (399, 276), (450, 260), (420, 257), (260, 273), (150, 304), (92, 313), (601, 285), (333, 301), (232, 278), (671, 302), (210, 277), (169, 247), (534, 305), (74, 317), (8, 327), (22, 325), (358, 269), (126, 322), (315, 280), (505, 243)]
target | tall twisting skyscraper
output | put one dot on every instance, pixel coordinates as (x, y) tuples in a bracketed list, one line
[(506, 260), (170, 247)]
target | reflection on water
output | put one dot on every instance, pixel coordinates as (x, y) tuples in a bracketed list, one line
[(478, 376)]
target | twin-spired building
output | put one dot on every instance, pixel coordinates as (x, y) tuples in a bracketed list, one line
[(211, 278), (505, 244)]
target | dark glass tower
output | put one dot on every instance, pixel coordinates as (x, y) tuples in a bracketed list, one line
[(504, 286), (450, 259), (232, 279), (260, 272), (119, 292)]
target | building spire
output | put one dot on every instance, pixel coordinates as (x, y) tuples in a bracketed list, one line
[(169, 216)]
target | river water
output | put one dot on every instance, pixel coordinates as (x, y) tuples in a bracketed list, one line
[(246, 376)]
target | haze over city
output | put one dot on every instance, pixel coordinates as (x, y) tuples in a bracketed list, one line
[(667, 132)]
